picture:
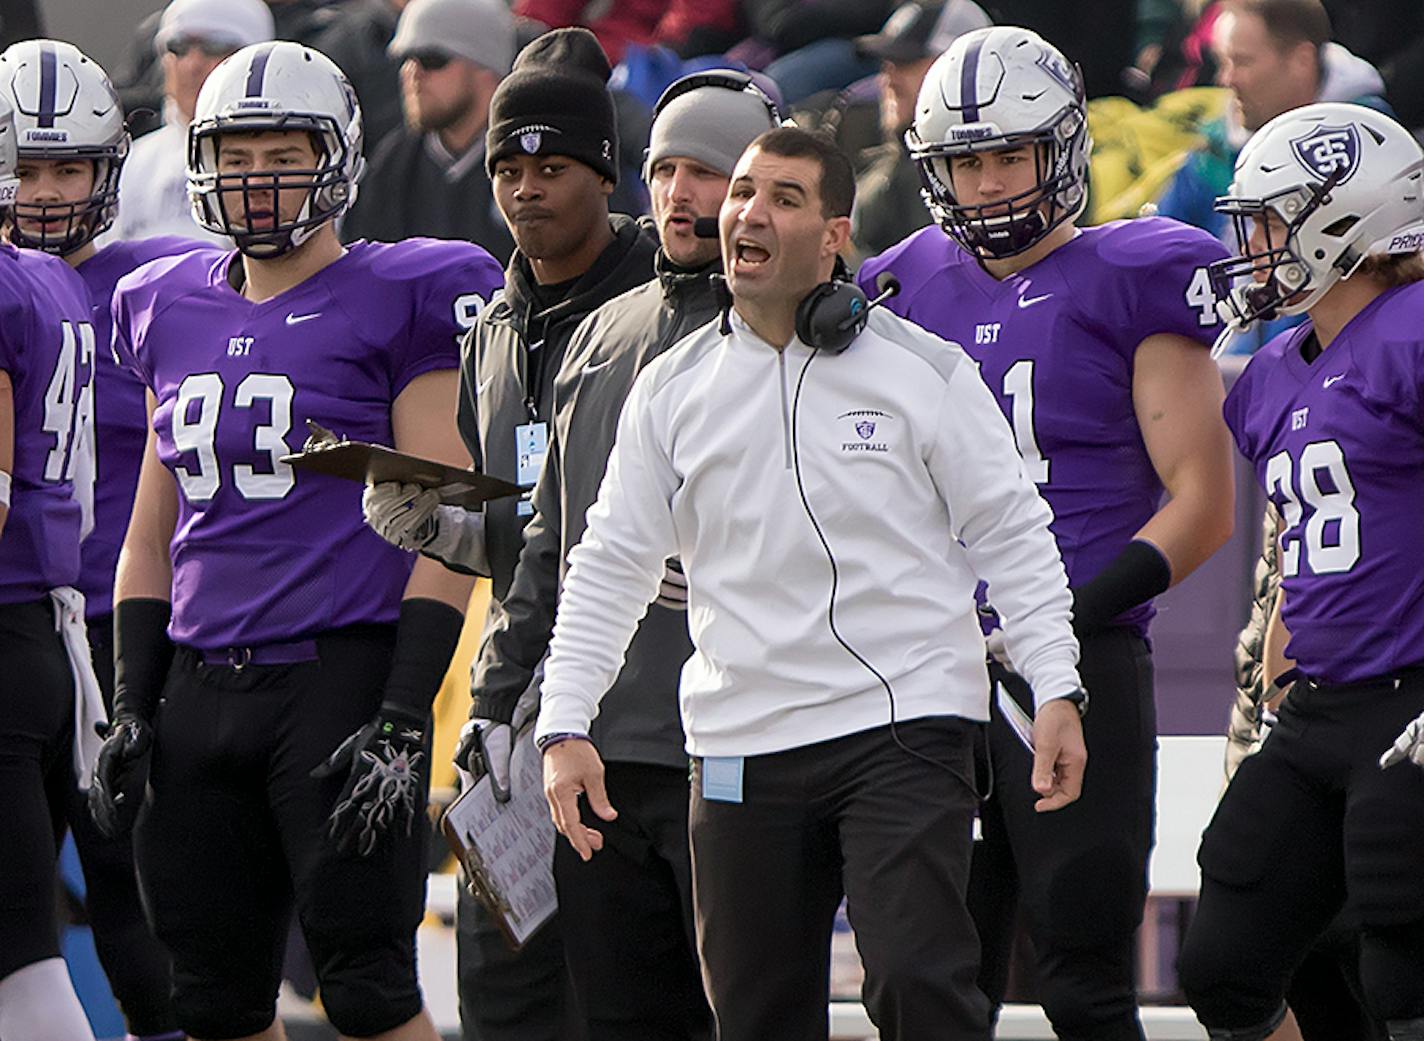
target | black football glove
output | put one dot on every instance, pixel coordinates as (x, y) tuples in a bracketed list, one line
[(120, 776), (142, 656), (384, 789)]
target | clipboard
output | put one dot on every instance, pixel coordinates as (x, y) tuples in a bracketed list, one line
[(507, 849), (325, 453)]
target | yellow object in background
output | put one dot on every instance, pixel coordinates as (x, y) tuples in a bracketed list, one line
[(1137, 151), (452, 704)]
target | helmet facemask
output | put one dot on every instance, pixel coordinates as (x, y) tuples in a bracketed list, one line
[(84, 219), (1292, 282), (325, 189)]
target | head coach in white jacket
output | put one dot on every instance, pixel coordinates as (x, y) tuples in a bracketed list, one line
[(835, 481)]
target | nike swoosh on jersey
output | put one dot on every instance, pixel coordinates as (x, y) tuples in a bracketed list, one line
[(1029, 301), (297, 319), (1332, 379), (594, 366), (482, 385)]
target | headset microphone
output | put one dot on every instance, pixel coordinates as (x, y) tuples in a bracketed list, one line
[(705, 227), (886, 286)]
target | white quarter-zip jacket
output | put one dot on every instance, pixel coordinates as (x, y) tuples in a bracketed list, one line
[(911, 474)]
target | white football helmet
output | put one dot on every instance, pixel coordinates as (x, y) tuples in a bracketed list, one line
[(1345, 181), (995, 88), (65, 108), (9, 155), (266, 87)]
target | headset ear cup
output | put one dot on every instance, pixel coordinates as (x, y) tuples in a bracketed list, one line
[(831, 316), (806, 312)]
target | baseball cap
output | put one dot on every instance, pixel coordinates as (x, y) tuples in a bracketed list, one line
[(235, 22), (916, 31), (480, 31)]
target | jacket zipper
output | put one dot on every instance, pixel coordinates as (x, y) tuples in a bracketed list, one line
[(785, 410)]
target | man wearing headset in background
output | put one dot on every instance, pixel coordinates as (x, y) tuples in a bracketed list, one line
[(832, 512), (551, 150)]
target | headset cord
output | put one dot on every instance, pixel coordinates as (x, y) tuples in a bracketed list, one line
[(968, 782)]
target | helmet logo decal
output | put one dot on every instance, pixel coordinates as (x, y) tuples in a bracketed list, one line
[(1328, 149), (1054, 64)]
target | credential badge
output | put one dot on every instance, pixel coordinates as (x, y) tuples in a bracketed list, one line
[(1327, 149)]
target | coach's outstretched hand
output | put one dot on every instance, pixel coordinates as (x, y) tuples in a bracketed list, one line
[(120, 776), (1409, 745), (383, 791), (1059, 756), (573, 768)]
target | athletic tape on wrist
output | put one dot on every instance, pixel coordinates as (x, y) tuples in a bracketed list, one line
[(4, 489)]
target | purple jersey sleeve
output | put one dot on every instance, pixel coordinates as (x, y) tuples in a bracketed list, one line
[(448, 284), (1161, 283), (47, 349), (1338, 445)]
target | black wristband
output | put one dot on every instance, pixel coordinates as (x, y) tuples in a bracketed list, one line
[(425, 642), (1133, 577), (142, 655)]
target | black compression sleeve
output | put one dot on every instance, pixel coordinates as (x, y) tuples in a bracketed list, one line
[(1133, 577), (425, 642), (142, 655)]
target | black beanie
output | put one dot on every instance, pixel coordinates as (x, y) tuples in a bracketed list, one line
[(555, 101)]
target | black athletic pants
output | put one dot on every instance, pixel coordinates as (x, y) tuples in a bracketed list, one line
[(857, 816), (626, 914), (1311, 824), (234, 837), (36, 776), (1079, 874)]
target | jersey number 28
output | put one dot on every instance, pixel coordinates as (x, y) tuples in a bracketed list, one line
[(1332, 533)]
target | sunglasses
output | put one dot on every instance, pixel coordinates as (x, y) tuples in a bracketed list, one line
[(179, 46), (429, 61)]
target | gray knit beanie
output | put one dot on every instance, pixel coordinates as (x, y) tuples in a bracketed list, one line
[(711, 124)]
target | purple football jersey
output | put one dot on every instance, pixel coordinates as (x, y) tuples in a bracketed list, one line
[(1338, 445), (1055, 343), (120, 422), (47, 348), (261, 553)]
